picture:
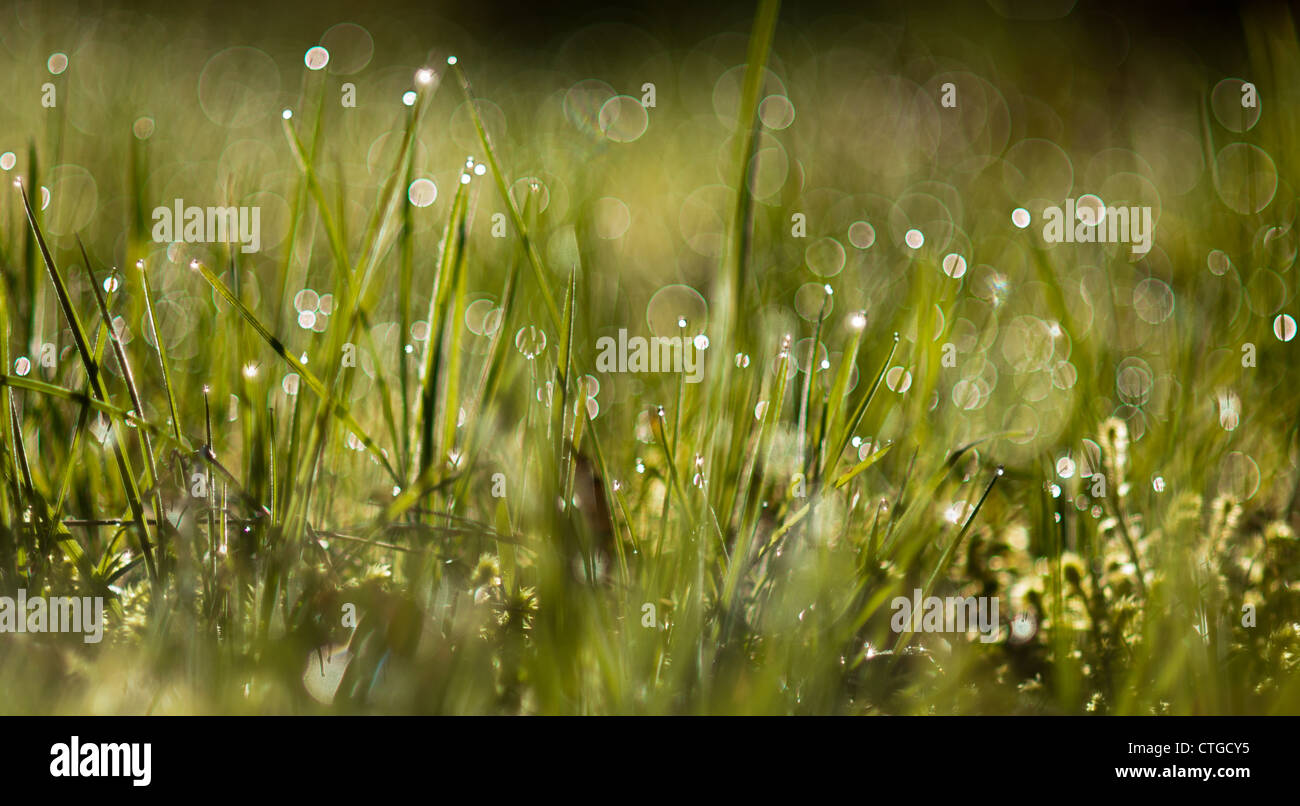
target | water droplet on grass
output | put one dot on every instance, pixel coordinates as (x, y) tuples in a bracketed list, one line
[(1090, 209), (1284, 327), (898, 379), (530, 341), (422, 192), (306, 300), (316, 58)]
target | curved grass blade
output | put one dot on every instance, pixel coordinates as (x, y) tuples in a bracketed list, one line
[(530, 248), (160, 350), (146, 444), (97, 388), (945, 559), (336, 407)]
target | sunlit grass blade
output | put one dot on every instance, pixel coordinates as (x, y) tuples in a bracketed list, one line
[(945, 559), (129, 483), (530, 248), (146, 444), (453, 237), (335, 407), (160, 349)]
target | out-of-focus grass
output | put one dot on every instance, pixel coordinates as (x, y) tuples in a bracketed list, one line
[(395, 410)]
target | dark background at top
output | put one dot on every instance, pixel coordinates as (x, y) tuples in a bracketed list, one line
[(1208, 26)]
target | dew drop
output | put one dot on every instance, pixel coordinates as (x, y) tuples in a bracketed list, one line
[(422, 192), (530, 341), (1090, 210), (898, 380), (954, 265), (1284, 327), (306, 300), (316, 58), (1065, 467)]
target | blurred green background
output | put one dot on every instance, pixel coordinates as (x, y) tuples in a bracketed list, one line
[(764, 214)]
